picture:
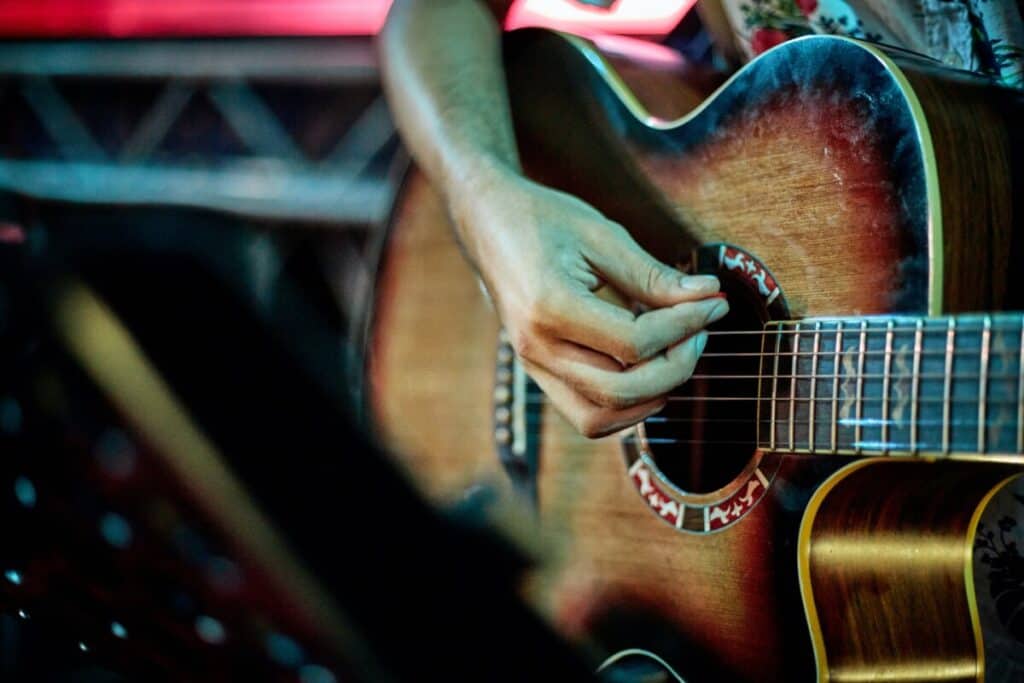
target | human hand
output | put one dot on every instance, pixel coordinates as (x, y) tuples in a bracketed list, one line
[(544, 255)]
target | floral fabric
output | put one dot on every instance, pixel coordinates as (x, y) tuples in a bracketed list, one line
[(985, 36)]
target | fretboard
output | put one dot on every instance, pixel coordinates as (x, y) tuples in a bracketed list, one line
[(893, 385)]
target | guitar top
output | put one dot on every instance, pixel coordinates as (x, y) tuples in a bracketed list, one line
[(807, 505)]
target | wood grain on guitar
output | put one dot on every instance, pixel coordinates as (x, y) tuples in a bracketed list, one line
[(861, 183)]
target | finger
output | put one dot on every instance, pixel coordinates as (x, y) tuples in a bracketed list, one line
[(588, 418), (637, 274), (617, 332), (563, 351), (636, 385)]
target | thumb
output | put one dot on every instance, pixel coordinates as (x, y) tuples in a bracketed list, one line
[(640, 276)]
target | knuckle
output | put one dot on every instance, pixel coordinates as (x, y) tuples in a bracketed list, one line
[(637, 342), (541, 309), (616, 399), (630, 352), (653, 277), (591, 425), (523, 343), (534, 320)]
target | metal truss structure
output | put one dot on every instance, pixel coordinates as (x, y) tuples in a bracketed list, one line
[(292, 133), (291, 129)]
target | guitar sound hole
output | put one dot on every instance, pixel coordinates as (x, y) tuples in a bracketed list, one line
[(707, 433)]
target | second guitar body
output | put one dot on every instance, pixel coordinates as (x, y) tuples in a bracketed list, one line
[(809, 505)]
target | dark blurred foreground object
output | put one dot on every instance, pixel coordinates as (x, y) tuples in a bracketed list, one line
[(184, 494)]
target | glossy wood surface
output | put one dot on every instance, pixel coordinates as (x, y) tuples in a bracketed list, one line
[(431, 368), (979, 149), (608, 560), (800, 184), (864, 571)]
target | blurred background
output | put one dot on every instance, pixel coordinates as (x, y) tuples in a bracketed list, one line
[(194, 197)]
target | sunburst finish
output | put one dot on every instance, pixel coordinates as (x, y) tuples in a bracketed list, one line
[(839, 180)]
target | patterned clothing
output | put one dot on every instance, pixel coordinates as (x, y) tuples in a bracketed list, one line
[(985, 36)]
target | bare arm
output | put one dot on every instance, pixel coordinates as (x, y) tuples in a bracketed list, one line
[(446, 86), (541, 253)]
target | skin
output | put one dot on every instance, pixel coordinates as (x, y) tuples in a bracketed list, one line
[(546, 258)]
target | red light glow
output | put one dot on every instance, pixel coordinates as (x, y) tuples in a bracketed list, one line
[(631, 17), (141, 18), (131, 18)]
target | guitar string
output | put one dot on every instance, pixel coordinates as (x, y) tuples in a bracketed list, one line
[(784, 422), (672, 442), (855, 329), (844, 422), (539, 419), (804, 421), (797, 445), (819, 424), (802, 444), (803, 434), (802, 438), (807, 399), (851, 377), (827, 353)]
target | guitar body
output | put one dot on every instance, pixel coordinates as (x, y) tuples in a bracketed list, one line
[(821, 180)]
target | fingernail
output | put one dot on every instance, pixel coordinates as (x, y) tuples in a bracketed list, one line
[(700, 340), (699, 283)]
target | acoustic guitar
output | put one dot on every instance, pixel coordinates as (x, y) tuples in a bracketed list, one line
[(835, 494)]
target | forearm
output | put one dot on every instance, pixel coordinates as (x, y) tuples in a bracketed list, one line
[(542, 253), (446, 86)]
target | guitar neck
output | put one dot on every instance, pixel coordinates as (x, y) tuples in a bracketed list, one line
[(893, 386)]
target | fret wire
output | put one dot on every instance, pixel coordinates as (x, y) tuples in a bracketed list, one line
[(915, 388), (954, 406), (1020, 394), (775, 386), (986, 342), (835, 385), (760, 395), (814, 383), (860, 379), (885, 380), (792, 392), (948, 384)]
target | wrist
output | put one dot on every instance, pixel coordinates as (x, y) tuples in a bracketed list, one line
[(481, 183)]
